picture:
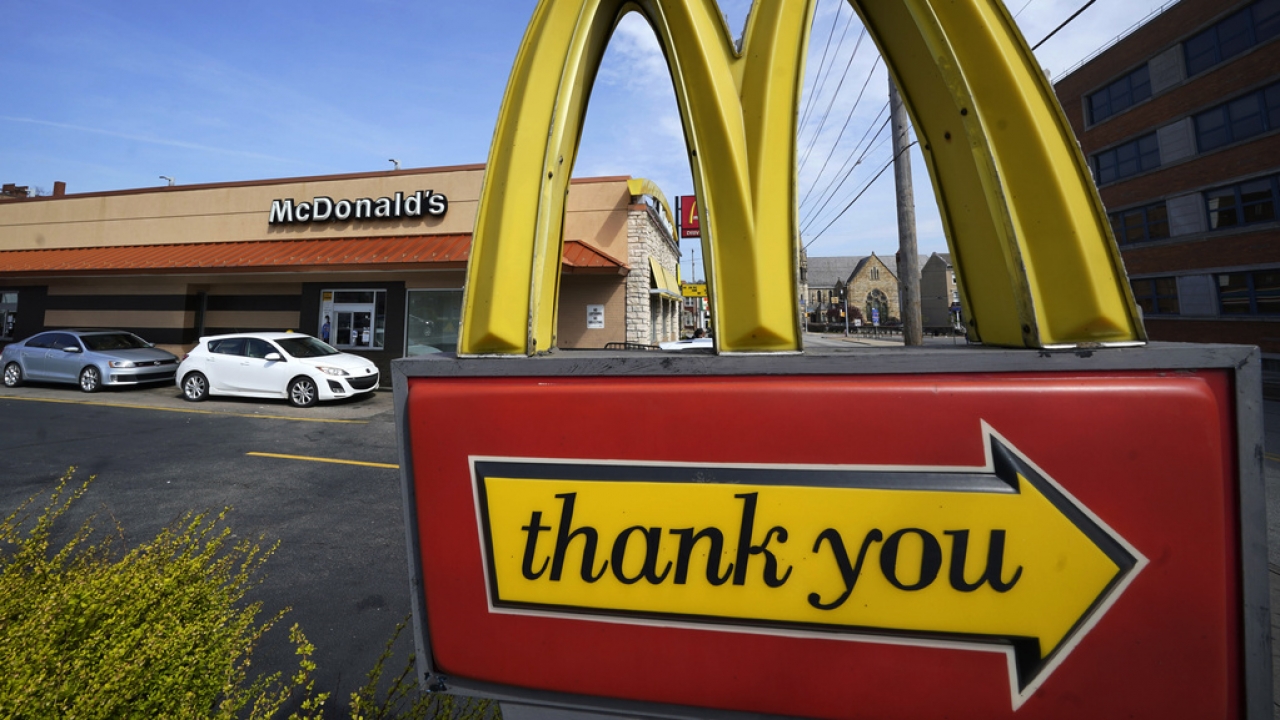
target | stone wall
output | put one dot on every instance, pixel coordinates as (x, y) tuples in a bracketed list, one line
[(651, 318), (873, 275)]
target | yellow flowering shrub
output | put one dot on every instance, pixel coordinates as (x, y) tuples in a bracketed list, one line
[(161, 630)]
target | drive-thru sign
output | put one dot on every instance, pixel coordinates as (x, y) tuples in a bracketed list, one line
[(1068, 526)]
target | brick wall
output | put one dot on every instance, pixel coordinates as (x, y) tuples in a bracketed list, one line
[(1144, 43), (1263, 333)]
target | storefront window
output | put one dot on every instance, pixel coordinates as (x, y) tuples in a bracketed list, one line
[(432, 321), (8, 314), (353, 319)]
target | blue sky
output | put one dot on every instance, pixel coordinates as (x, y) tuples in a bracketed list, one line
[(112, 95)]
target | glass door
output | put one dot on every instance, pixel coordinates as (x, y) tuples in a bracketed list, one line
[(354, 319)]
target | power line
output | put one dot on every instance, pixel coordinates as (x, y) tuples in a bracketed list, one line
[(844, 127), (834, 94), (817, 217), (818, 79), (828, 192), (859, 195), (1064, 24)]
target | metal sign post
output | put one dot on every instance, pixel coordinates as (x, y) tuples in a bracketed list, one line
[(1069, 525)]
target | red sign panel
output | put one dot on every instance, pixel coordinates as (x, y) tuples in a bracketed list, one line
[(527, 585), (689, 225)]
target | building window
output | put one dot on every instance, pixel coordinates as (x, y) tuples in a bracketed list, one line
[(1231, 36), (877, 307), (1120, 95), (1128, 159), (8, 313), (1241, 118), (354, 319), (875, 273), (1244, 203), (432, 321), (1156, 296), (1249, 293), (1141, 224)]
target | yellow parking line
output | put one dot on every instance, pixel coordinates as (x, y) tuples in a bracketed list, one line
[(326, 460), (1272, 458), (191, 411)]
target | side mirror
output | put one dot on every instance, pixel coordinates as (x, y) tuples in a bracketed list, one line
[(273, 357)]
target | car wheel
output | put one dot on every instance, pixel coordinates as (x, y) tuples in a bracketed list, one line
[(303, 392), (91, 379), (12, 375), (195, 387)]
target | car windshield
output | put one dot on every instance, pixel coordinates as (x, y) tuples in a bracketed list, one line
[(113, 341), (305, 347)]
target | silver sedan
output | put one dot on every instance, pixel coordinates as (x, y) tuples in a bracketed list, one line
[(92, 359)]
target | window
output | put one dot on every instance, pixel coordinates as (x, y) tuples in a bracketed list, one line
[(1249, 293), (875, 273), (1120, 95), (1231, 36), (227, 346), (8, 313), (1253, 201), (258, 348), (877, 307), (1141, 224), (1241, 118), (1271, 99), (1156, 296), (433, 319), (59, 341), (1131, 158)]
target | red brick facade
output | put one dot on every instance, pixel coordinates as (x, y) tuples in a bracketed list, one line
[(1194, 253)]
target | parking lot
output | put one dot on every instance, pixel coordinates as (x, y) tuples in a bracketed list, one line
[(323, 481)]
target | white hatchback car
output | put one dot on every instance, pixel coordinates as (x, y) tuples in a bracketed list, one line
[(297, 367)]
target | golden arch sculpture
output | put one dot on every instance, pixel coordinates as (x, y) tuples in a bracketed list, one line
[(1029, 237)]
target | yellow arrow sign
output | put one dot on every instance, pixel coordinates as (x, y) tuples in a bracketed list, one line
[(998, 554)]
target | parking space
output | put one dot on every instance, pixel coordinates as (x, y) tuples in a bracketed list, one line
[(322, 480), (168, 397)]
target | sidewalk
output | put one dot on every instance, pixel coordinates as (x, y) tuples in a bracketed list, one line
[(867, 340)]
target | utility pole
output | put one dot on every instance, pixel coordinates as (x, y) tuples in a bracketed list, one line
[(908, 258)]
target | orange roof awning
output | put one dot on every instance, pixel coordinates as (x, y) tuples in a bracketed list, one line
[(581, 257), (403, 252)]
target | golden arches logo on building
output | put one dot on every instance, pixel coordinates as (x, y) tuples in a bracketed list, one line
[(689, 226), (1028, 235)]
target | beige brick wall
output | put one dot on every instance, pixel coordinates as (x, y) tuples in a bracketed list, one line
[(576, 293)]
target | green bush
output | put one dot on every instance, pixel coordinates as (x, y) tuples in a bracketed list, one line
[(163, 630), (159, 630)]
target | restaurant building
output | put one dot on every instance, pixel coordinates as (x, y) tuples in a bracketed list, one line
[(372, 262)]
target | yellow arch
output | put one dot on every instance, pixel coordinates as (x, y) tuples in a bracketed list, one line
[(1028, 235), (640, 186)]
